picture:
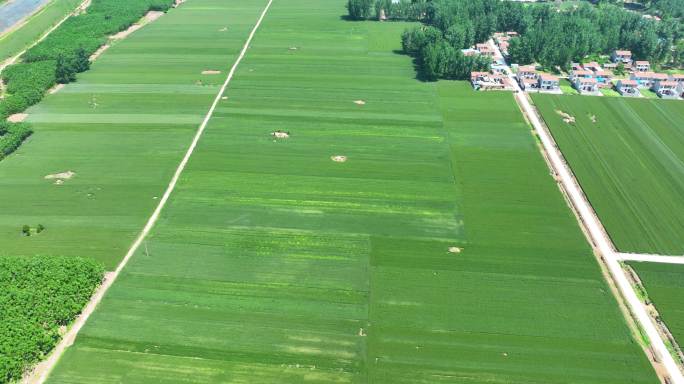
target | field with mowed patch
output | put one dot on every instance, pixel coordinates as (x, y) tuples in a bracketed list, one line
[(628, 155), (664, 284), (109, 143), (440, 251)]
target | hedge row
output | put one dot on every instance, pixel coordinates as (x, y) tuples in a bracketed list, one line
[(11, 136), (64, 53), (38, 296)]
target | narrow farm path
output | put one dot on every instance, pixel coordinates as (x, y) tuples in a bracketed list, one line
[(650, 258), (597, 233), (41, 372)]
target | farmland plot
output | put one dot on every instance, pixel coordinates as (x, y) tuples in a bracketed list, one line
[(664, 284), (119, 133), (14, 40), (629, 158), (403, 232)]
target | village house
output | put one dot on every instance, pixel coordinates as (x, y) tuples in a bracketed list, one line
[(528, 84), (678, 78), (647, 79), (586, 85), (485, 81), (484, 49), (593, 66), (628, 88), (526, 72), (604, 78), (548, 83), (581, 73), (642, 66), (666, 89), (610, 66), (624, 57), (503, 46), (576, 66)]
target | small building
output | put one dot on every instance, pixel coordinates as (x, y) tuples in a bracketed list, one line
[(529, 84), (621, 56), (628, 88), (678, 78), (610, 66), (581, 73), (666, 89), (586, 85), (485, 81), (593, 66), (484, 49), (548, 83), (647, 79), (642, 66), (511, 33), (576, 66), (526, 72), (503, 46), (604, 78), (469, 52)]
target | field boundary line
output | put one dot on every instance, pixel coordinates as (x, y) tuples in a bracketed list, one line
[(651, 258), (42, 370), (81, 7), (598, 236)]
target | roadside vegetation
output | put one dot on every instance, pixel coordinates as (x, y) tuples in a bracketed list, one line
[(39, 297), (664, 285), (62, 55), (547, 35)]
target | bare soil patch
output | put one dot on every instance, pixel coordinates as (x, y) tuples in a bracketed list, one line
[(55, 89), (569, 119), (178, 3), (211, 72), (338, 158), (99, 52), (17, 117)]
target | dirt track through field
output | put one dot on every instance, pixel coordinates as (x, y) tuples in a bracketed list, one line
[(42, 370)]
